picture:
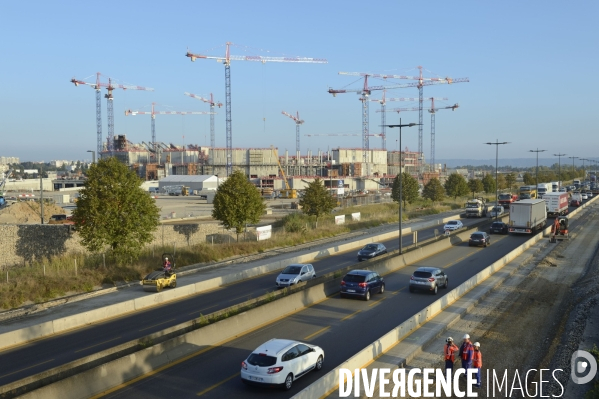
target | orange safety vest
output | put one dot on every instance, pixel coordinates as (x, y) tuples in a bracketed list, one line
[(450, 352), (477, 359)]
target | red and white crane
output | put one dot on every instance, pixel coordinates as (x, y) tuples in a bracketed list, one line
[(153, 114), (298, 122), (110, 108), (433, 111), (226, 60), (212, 113)]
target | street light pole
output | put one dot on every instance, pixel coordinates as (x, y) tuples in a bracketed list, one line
[(401, 179), (496, 144), (537, 173), (584, 175), (559, 173), (573, 167)]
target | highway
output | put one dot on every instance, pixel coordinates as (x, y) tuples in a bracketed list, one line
[(341, 327), (37, 356)]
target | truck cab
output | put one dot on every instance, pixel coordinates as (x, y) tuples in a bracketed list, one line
[(528, 192)]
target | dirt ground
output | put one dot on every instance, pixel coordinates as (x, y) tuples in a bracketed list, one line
[(536, 319), (27, 212)]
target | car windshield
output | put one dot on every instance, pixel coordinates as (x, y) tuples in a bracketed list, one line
[(452, 222), (497, 224), (354, 278), (422, 274), (505, 196), (477, 236), (261, 360), (292, 270), (370, 247)]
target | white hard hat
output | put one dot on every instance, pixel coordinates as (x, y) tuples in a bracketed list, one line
[(466, 336), (449, 339), (477, 344), (165, 258)]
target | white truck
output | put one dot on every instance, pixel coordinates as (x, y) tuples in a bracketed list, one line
[(543, 188), (477, 208), (557, 204), (556, 185), (577, 195), (527, 216)]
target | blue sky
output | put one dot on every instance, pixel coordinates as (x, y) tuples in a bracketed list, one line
[(530, 64)]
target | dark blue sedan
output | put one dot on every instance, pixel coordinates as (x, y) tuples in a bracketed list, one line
[(362, 283), (370, 251)]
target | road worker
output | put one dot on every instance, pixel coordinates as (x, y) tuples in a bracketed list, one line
[(466, 352), (166, 267), (477, 362), (449, 353)]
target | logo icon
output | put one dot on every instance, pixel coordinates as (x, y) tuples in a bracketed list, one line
[(582, 363)]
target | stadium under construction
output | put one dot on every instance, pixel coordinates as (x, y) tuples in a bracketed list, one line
[(266, 167)]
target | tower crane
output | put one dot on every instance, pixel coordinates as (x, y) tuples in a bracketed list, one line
[(433, 111), (298, 122), (339, 134), (383, 102), (109, 105), (153, 114), (212, 113), (226, 60)]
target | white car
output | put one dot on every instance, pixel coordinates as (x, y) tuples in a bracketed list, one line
[(280, 362), (584, 196), (294, 274), (590, 194), (453, 225)]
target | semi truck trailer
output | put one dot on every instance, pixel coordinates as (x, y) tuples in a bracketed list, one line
[(527, 216)]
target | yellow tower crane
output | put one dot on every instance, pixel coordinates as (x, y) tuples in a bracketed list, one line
[(288, 192)]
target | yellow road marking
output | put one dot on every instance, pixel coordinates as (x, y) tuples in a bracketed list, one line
[(200, 352), (164, 322), (26, 368), (217, 384), (79, 350), (378, 301), (398, 291), (317, 332), (350, 315)]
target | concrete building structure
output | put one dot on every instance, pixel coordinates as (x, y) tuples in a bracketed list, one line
[(9, 160)]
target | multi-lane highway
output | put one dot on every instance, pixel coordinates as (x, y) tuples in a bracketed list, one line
[(340, 326), (44, 354)]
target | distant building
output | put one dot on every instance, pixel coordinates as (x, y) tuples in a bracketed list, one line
[(194, 182), (9, 160), (59, 164)]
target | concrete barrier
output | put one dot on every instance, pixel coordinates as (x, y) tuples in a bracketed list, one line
[(107, 375), (78, 320), (329, 382)]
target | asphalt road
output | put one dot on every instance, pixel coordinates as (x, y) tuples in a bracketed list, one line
[(37, 356), (341, 327)]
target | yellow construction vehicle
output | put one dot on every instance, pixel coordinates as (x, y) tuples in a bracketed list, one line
[(288, 192), (165, 277), (185, 190)]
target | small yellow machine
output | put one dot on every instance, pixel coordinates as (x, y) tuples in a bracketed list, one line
[(163, 278)]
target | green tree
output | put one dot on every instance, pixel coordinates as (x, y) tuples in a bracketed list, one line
[(409, 189), (456, 186), (317, 201), (528, 179), (510, 180), (489, 183), (501, 183), (237, 202), (434, 190), (113, 210), (475, 186)]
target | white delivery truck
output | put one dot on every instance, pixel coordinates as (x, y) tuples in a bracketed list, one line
[(557, 204), (527, 216), (543, 188)]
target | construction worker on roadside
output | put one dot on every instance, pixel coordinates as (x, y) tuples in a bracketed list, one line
[(449, 353), (477, 362), (466, 353)]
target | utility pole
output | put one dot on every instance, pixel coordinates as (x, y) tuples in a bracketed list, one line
[(537, 173), (496, 144), (42, 192), (559, 165)]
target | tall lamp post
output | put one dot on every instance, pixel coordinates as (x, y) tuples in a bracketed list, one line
[(497, 144), (573, 167), (401, 178), (537, 173), (93, 156), (584, 175), (559, 173)]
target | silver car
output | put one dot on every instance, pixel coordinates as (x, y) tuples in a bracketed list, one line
[(295, 273), (428, 279)]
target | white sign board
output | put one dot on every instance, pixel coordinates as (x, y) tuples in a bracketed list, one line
[(264, 232), (355, 216), (340, 191), (340, 219)]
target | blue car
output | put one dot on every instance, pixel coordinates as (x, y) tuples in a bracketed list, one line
[(362, 283)]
